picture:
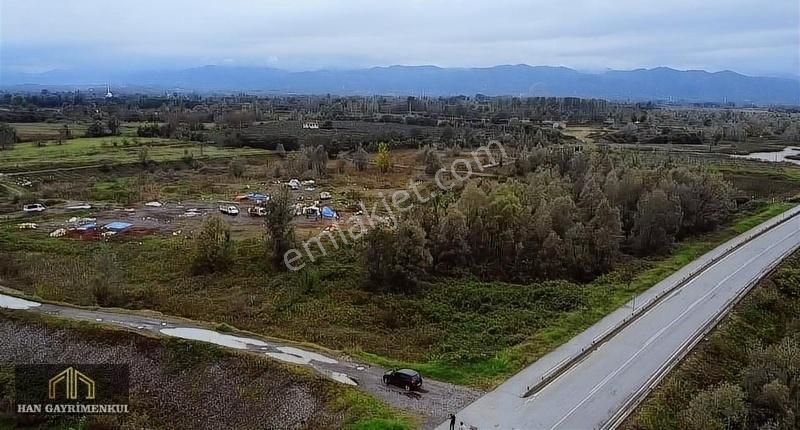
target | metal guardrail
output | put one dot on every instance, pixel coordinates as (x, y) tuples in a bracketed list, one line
[(696, 337), (569, 362)]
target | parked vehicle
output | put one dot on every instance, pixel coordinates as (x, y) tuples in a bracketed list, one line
[(257, 211), (406, 378), (34, 208), (229, 210)]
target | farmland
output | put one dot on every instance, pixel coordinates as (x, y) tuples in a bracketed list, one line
[(107, 150)]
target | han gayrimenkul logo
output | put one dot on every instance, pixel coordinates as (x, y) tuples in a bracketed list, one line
[(71, 388)]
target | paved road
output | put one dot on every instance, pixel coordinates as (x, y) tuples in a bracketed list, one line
[(591, 393), (433, 404)]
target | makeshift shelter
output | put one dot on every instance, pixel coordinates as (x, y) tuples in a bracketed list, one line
[(86, 226), (329, 213), (117, 226), (258, 197)]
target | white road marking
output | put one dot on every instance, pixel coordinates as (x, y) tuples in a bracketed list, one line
[(665, 328)]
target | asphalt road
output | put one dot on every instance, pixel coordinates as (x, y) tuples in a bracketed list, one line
[(593, 392)]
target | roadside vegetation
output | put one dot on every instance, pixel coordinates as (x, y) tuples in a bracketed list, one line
[(468, 287), (184, 384), (467, 323), (744, 375)]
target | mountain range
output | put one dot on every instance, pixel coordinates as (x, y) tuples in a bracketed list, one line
[(660, 83)]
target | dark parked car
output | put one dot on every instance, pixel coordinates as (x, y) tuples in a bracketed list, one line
[(406, 378)]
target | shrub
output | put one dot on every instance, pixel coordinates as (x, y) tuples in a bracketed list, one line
[(213, 247)]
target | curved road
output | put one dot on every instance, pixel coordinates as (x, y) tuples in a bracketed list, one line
[(434, 403), (599, 389)]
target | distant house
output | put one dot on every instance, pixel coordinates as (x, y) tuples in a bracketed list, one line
[(311, 124)]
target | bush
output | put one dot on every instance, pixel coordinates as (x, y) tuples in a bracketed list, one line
[(108, 279), (213, 247), (237, 167)]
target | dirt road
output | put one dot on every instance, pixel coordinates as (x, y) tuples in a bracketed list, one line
[(433, 404)]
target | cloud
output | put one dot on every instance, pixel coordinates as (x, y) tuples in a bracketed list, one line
[(743, 35)]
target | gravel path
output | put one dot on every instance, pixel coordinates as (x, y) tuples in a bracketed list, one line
[(433, 404)]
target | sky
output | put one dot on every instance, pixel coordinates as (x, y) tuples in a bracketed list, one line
[(755, 37)]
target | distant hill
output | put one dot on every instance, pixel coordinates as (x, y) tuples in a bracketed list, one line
[(641, 84)]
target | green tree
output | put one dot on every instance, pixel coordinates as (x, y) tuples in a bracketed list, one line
[(8, 136), (383, 160), (719, 408), (107, 281), (319, 160), (706, 199), (451, 248), (212, 247), (430, 159), (96, 129), (144, 155), (448, 134), (64, 134), (396, 260), (237, 167), (280, 231), (606, 231), (113, 125), (658, 219)]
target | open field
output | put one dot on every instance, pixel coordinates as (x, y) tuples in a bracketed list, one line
[(462, 331), (41, 131), (110, 150)]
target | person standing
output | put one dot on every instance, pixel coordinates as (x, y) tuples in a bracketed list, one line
[(462, 426), (452, 422)]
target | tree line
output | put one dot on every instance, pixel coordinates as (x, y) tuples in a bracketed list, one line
[(566, 214)]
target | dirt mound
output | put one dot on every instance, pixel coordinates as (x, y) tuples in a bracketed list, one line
[(175, 384)]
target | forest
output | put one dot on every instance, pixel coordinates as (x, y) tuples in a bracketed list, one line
[(564, 214)]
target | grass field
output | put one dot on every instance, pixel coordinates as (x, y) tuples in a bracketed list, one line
[(461, 330), (33, 131), (458, 330), (109, 150), (596, 299)]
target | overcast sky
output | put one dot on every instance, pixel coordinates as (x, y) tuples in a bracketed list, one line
[(758, 37)]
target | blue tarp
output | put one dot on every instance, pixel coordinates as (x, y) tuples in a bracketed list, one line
[(328, 212), (117, 226), (257, 197)]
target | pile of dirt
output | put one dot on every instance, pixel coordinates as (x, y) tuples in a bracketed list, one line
[(174, 383)]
